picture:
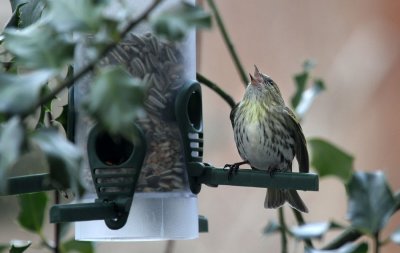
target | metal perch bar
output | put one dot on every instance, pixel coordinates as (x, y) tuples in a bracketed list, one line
[(82, 212), (206, 174), (28, 184)]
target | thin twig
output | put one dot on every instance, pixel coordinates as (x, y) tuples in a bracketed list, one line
[(57, 227), (228, 99), (228, 42), (377, 244), (169, 248), (90, 66), (283, 228)]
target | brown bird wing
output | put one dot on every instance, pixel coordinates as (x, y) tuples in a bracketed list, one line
[(232, 115), (300, 140)]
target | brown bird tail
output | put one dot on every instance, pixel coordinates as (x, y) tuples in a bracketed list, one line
[(276, 198)]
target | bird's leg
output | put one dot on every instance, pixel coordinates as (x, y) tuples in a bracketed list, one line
[(233, 168), (272, 170)]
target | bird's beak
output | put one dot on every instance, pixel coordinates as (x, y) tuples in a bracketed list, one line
[(257, 73), (252, 80)]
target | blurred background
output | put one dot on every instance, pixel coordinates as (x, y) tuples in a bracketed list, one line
[(356, 45)]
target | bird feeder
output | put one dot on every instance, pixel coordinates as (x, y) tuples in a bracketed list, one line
[(146, 188), (152, 171)]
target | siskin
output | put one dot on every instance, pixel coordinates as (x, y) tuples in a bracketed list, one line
[(268, 136)]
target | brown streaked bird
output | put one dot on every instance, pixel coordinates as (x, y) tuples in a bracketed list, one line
[(268, 137)]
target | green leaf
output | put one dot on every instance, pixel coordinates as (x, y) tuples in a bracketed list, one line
[(15, 17), (30, 12), (311, 230), (39, 46), (3, 247), (63, 157), (26, 12), (77, 246), (19, 246), (271, 227), (75, 15), (19, 93), (11, 140), (395, 237), (17, 3), (32, 211), (347, 248), (308, 96), (371, 202), (175, 22), (301, 82), (63, 117), (115, 99), (329, 160)]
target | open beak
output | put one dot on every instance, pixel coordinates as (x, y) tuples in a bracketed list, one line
[(257, 73), (252, 80)]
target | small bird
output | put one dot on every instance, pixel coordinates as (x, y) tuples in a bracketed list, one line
[(268, 136)]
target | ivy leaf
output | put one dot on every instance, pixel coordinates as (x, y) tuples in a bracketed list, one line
[(32, 210), (115, 99), (77, 246), (347, 248), (175, 22), (11, 139), (63, 157), (75, 15), (3, 247), (19, 246), (271, 227), (301, 82), (19, 93), (308, 97), (38, 46), (63, 117), (395, 237), (329, 160), (15, 17), (371, 201), (30, 12), (17, 3), (313, 230)]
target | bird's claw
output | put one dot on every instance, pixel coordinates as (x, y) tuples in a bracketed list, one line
[(233, 169), (272, 171)]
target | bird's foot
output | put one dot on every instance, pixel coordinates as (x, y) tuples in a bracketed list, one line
[(272, 171), (234, 168)]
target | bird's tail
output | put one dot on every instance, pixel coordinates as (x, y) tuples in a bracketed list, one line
[(276, 198)]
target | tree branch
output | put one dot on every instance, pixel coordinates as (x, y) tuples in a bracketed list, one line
[(90, 66), (228, 99), (283, 228), (228, 43)]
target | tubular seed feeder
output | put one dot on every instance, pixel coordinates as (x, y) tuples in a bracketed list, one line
[(147, 189)]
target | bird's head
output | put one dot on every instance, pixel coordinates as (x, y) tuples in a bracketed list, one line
[(263, 88)]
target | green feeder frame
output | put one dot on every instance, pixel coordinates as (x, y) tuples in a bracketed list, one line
[(115, 182)]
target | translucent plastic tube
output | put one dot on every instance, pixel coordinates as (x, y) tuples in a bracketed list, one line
[(163, 207)]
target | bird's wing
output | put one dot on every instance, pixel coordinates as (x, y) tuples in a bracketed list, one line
[(232, 115), (300, 140)]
